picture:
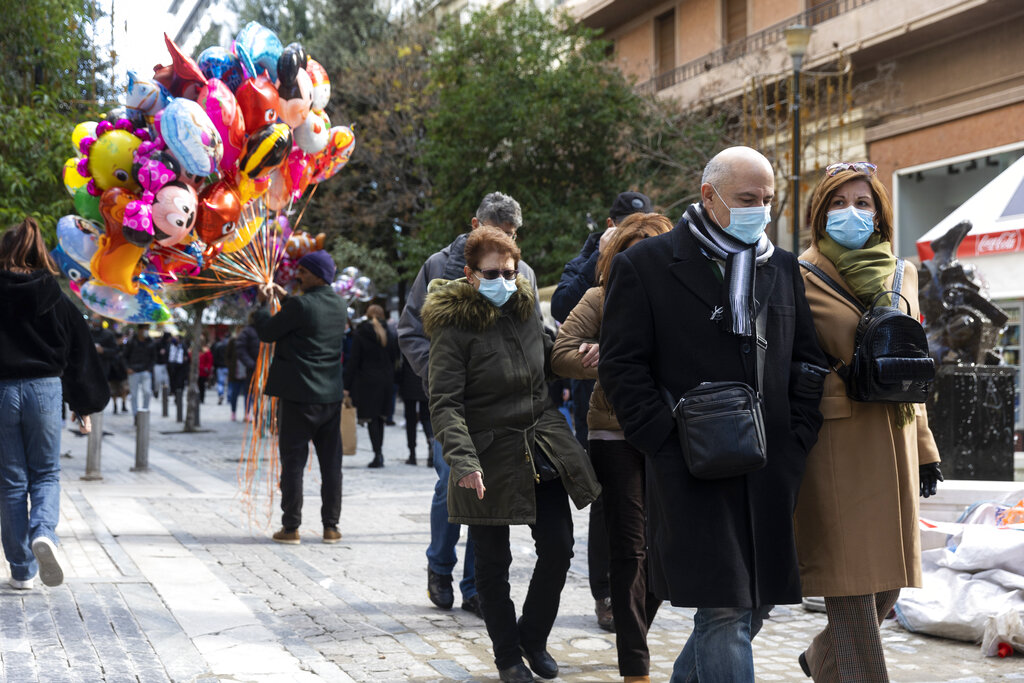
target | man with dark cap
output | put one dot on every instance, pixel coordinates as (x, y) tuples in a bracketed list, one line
[(305, 376), (577, 277)]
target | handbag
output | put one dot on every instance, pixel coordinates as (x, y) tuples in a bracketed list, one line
[(891, 363), (721, 424), (348, 427)]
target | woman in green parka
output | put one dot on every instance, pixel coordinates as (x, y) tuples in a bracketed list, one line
[(513, 459)]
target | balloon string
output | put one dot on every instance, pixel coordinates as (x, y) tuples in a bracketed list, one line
[(298, 221)]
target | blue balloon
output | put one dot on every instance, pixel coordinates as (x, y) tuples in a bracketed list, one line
[(191, 136), (74, 271), (217, 62), (259, 48), (78, 239)]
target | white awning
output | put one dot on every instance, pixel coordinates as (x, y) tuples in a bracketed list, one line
[(997, 214)]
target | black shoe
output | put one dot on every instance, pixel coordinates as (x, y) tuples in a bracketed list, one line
[(516, 674), (472, 604), (439, 589), (803, 664), (603, 610), (430, 460), (378, 460), (541, 662), (411, 460), (389, 422)]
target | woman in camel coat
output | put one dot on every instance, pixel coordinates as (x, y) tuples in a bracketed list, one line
[(856, 514)]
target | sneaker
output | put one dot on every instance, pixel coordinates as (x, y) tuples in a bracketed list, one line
[(439, 589), (288, 536), (331, 534), (25, 585), (603, 609), (50, 572)]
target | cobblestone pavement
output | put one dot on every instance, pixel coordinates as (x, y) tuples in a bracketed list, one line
[(167, 579)]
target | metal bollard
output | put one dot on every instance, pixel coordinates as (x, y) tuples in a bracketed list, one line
[(178, 405), (163, 398), (92, 449), (141, 441)]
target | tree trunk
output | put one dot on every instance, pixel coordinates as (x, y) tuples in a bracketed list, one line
[(192, 400)]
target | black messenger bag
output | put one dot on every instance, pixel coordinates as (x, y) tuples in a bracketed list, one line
[(721, 424)]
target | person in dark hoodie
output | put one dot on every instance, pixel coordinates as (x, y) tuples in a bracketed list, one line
[(46, 350)]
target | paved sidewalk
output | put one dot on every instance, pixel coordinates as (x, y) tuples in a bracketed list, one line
[(168, 580)]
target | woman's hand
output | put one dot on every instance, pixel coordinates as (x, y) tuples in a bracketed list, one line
[(590, 354), (474, 481), (930, 476)]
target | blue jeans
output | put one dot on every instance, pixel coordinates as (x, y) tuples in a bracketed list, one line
[(139, 383), (30, 424), (444, 535), (222, 381), (718, 650)]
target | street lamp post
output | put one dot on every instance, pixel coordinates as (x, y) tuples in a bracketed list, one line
[(797, 38)]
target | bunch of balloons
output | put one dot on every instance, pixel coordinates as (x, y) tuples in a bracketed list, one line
[(354, 286), (207, 152)]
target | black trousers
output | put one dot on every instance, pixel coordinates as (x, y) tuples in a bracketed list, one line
[(597, 538), (376, 429), (298, 424), (621, 468), (552, 537), (417, 411)]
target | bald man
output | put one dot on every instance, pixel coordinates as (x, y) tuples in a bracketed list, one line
[(681, 309)]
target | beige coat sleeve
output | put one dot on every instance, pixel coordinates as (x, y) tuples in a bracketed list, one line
[(927, 451), (582, 325)]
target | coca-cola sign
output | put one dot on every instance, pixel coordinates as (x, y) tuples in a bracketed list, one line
[(997, 242)]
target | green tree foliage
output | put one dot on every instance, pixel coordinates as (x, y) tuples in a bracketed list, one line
[(528, 104), (51, 77)]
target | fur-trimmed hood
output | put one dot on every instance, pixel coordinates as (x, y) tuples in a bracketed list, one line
[(456, 303)]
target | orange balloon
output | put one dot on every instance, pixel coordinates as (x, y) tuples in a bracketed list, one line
[(116, 261)]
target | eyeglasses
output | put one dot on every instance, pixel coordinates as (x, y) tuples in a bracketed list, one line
[(494, 274), (857, 166)]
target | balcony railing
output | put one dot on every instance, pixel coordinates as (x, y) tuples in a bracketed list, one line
[(752, 43)]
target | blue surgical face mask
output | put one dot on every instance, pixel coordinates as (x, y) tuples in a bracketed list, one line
[(747, 223), (850, 227), (498, 290)]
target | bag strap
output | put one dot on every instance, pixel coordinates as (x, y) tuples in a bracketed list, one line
[(834, 285), (897, 281)]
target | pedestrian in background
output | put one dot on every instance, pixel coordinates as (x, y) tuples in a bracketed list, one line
[(578, 276), (237, 372), (177, 364), (370, 376), (247, 350), (681, 309), (512, 456), (140, 357), (856, 516), (161, 380), (619, 465), (305, 376), (205, 371), (220, 366), (417, 411), (496, 210), (46, 352)]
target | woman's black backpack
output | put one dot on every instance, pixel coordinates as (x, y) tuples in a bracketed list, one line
[(890, 363)]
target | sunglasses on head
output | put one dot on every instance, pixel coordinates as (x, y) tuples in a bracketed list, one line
[(856, 166), (490, 274)]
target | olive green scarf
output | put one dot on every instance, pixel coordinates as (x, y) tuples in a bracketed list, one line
[(867, 271)]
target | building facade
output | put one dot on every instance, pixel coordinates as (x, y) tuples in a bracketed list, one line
[(930, 91)]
